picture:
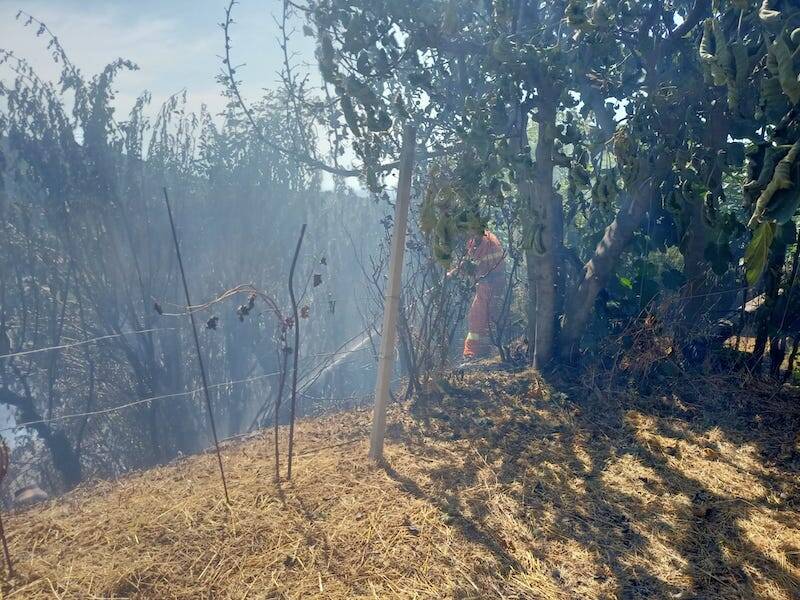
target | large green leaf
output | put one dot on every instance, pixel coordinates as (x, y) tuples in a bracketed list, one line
[(787, 75), (781, 180), (757, 252), (625, 282), (784, 202)]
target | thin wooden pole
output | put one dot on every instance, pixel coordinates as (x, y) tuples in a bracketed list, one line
[(296, 317), (5, 460), (6, 551), (197, 347), (391, 303), (278, 402)]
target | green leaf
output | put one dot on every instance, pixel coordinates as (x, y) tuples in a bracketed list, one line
[(787, 76), (757, 251), (781, 180), (626, 282), (783, 205)]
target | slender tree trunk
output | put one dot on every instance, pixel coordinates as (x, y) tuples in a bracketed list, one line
[(766, 313), (560, 264), (787, 375), (598, 270), (781, 340), (278, 402), (543, 211), (695, 266)]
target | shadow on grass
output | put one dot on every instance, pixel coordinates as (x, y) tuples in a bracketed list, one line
[(578, 462)]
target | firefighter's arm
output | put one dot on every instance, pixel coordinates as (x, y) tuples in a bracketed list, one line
[(465, 266)]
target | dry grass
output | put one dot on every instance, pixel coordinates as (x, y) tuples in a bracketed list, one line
[(496, 487)]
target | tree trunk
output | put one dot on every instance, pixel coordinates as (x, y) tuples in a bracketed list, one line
[(65, 459), (767, 315), (598, 270), (543, 211), (695, 267), (695, 264)]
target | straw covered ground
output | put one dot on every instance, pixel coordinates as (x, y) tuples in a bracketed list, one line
[(495, 486)]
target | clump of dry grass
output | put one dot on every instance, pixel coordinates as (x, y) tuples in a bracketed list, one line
[(496, 486)]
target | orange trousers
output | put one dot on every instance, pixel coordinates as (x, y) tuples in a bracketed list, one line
[(481, 317)]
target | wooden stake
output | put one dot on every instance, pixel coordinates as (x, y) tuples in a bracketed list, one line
[(197, 348), (5, 460), (6, 552), (391, 303), (296, 349), (278, 402)]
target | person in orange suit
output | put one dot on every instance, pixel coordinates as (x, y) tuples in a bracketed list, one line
[(487, 261)]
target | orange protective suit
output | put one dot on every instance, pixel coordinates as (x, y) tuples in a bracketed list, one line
[(489, 259)]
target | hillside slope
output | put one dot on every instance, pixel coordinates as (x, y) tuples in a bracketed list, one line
[(496, 487)]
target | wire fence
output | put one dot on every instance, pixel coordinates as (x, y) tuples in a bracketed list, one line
[(308, 378), (318, 364), (120, 407), (83, 342), (316, 370)]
